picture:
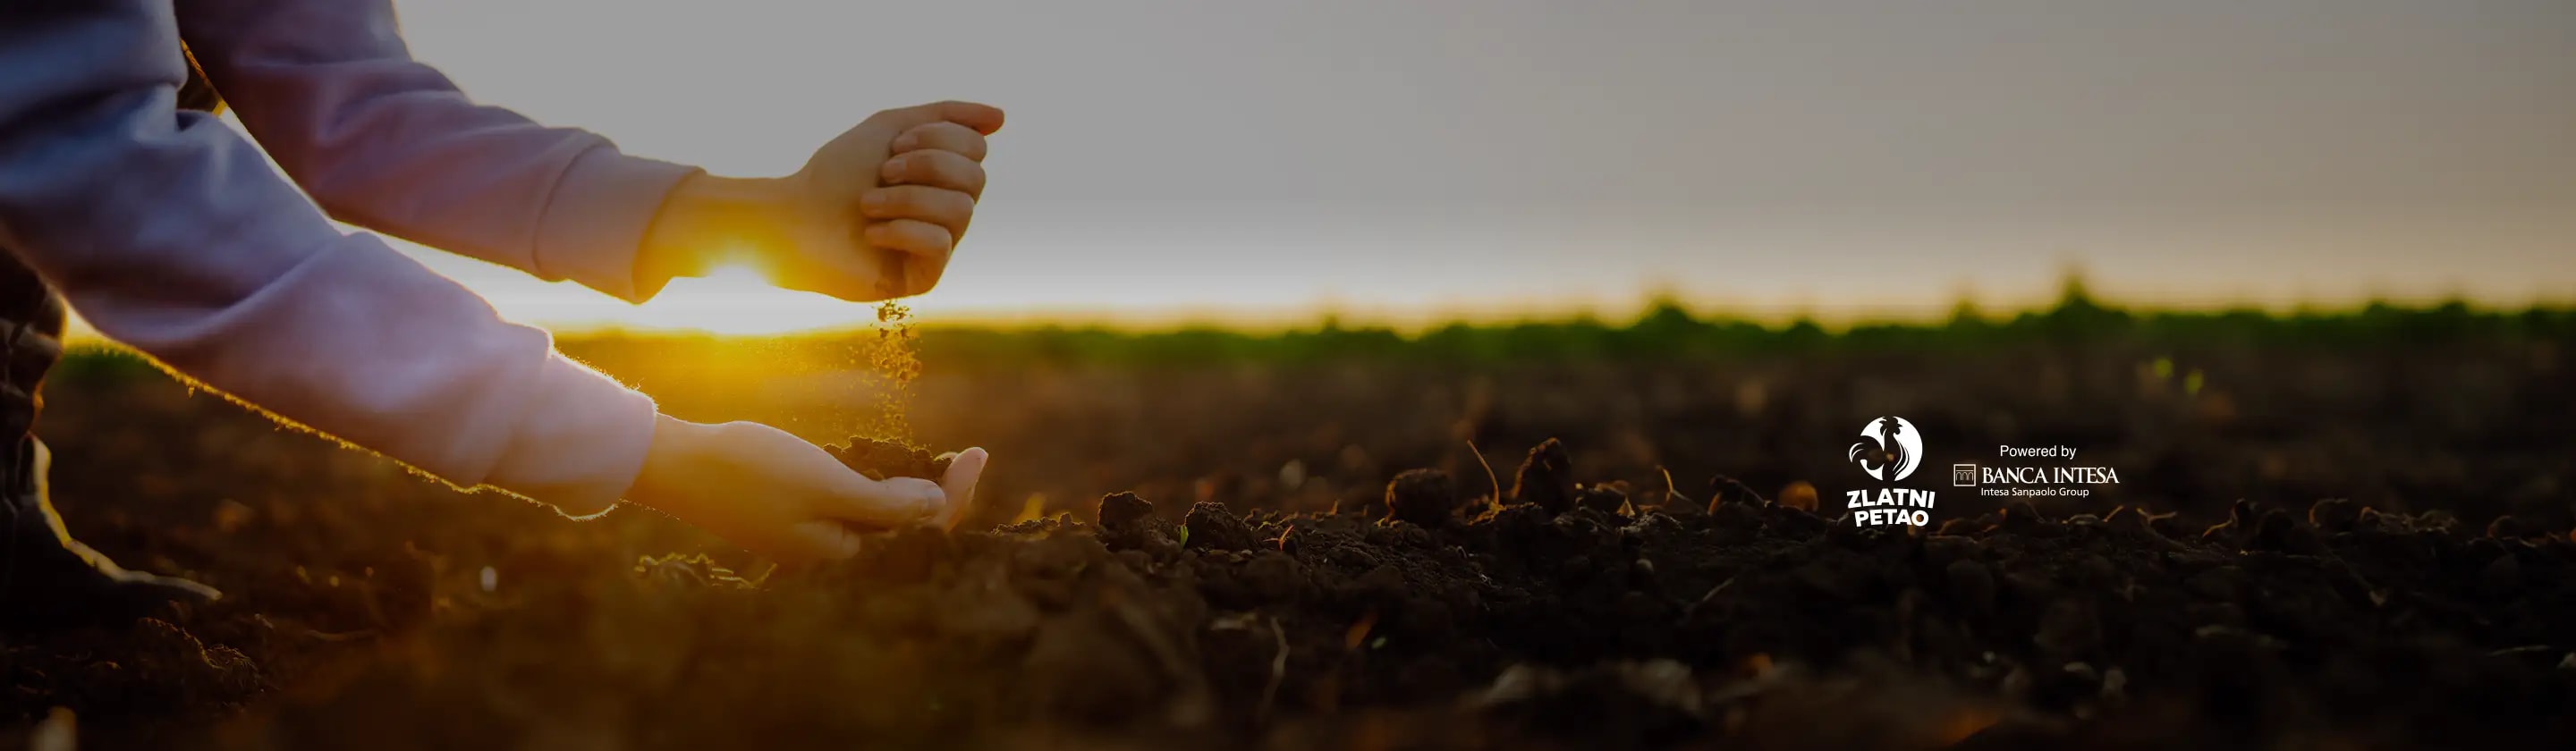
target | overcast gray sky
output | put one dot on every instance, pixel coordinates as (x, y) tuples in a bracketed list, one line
[(1434, 156)]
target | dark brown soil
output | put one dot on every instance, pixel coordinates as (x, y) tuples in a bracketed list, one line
[(1666, 623), (880, 459), (1231, 601)]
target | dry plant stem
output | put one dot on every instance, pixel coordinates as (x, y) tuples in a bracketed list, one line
[(1495, 482)]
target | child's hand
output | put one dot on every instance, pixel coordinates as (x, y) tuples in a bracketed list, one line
[(783, 498), (890, 195)]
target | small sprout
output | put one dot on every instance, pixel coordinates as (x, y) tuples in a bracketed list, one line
[(1672, 493)]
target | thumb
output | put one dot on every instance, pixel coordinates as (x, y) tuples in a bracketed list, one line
[(959, 485)]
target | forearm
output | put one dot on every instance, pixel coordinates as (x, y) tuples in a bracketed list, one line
[(385, 142), (168, 232), (366, 346), (705, 220)]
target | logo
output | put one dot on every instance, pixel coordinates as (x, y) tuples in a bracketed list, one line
[(1890, 448), (2034, 481)]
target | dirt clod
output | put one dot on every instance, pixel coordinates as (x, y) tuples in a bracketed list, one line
[(1122, 511), (1799, 495), (1602, 498), (1212, 526), (1546, 478), (1422, 496), (2335, 514)]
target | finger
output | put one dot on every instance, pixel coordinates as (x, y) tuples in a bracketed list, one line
[(977, 117), (913, 237), (893, 502), (920, 258), (946, 208), (922, 277), (936, 169), (984, 118), (959, 485), (942, 136)]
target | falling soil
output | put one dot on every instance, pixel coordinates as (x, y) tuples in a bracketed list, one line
[(894, 356), (1567, 615)]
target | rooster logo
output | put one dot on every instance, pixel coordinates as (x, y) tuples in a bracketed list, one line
[(1890, 448)]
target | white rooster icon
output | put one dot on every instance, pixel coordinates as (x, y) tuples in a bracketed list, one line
[(1891, 452)]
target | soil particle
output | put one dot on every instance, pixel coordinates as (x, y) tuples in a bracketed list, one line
[(1799, 495), (1119, 512), (2022, 517), (2501, 576), (2068, 630), (1212, 526), (1546, 478), (1972, 585), (1601, 498), (1425, 497), (2335, 514), (2282, 533), (881, 459)]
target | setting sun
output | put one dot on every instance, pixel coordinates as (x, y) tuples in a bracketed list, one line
[(738, 298)]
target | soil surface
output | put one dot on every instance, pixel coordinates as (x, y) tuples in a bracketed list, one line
[(1570, 615), (1320, 594)]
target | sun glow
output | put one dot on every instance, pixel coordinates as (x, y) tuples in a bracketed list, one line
[(738, 298)]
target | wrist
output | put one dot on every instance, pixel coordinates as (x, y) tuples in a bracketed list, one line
[(673, 449), (704, 218)]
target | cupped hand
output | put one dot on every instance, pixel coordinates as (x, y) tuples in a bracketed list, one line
[(784, 498)]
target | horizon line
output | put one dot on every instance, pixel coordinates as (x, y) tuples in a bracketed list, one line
[(1414, 319)]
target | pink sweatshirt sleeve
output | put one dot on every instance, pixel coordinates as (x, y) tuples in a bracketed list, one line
[(168, 231), (387, 143)]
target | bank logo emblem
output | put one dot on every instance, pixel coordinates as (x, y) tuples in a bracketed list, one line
[(1890, 448), (1963, 475)]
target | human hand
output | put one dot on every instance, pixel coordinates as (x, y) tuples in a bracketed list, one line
[(875, 214), (783, 498)]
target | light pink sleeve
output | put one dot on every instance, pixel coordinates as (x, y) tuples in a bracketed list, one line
[(167, 231), (387, 143)]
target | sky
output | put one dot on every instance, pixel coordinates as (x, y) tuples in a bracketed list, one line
[(1236, 160)]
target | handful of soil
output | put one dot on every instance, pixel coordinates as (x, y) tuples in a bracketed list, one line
[(881, 459)]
